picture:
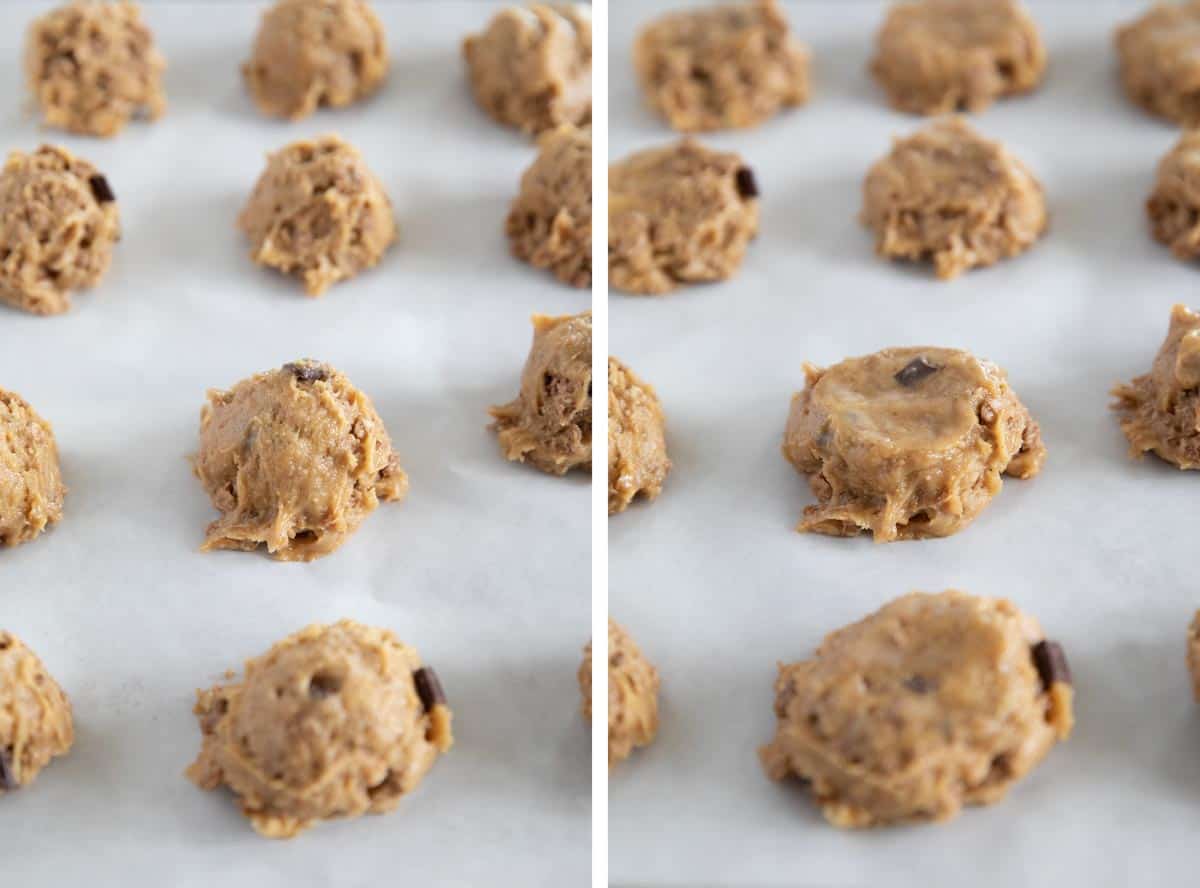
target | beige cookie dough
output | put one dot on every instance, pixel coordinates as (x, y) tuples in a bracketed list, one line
[(1160, 61), (722, 67), (1174, 205), (549, 424), (294, 459), (532, 67), (637, 445), (907, 443), (1193, 655), (93, 67), (632, 694), (938, 56), (929, 704), (31, 485), (333, 721), (678, 215), (950, 196), (58, 224), (312, 54), (35, 716)]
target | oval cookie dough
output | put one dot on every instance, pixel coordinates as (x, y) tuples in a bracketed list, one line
[(36, 724), (1174, 205), (929, 704), (632, 694), (31, 486), (294, 459), (333, 721), (1160, 61), (637, 446)]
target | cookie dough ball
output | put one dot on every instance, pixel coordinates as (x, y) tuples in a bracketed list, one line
[(721, 67), (1193, 654), (907, 443), (532, 68), (93, 67), (294, 459), (58, 225), (313, 54), (31, 486), (637, 445), (938, 56), (333, 721), (35, 716), (632, 695), (318, 212), (549, 425), (1160, 61), (1174, 205), (678, 215), (948, 195)]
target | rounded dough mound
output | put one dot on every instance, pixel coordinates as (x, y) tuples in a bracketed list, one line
[(294, 459), (93, 67), (315, 53), (330, 722), (632, 694), (1174, 205), (31, 486), (318, 212), (35, 716), (907, 443), (549, 425), (637, 446), (58, 225), (929, 704), (1160, 61), (1193, 654)]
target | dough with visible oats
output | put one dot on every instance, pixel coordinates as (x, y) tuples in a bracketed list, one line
[(1160, 61), (632, 694), (637, 445), (31, 485), (1174, 205), (36, 724)]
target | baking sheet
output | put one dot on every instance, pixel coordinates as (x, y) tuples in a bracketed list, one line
[(716, 587), (484, 568)]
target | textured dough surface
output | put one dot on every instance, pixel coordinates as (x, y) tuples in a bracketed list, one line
[(549, 424), (35, 716), (637, 445), (948, 195), (721, 67), (939, 56), (31, 486), (318, 212), (632, 694), (294, 459), (1160, 61), (550, 222), (93, 67), (328, 723), (1174, 205), (677, 215), (532, 67), (312, 54), (907, 443), (929, 704)]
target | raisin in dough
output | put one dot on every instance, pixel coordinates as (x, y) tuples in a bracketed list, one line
[(550, 222), (294, 460), (31, 486), (93, 67), (938, 56), (1174, 205), (58, 225), (948, 195), (35, 716), (318, 212), (721, 67), (549, 424), (677, 215), (637, 446), (632, 694), (907, 443), (532, 68), (1160, 61), (313, 54), (333, 721), (1160, 410)]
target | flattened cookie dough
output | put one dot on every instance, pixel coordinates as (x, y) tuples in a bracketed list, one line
[(722, 67), (294, 459), (1174, 205), (58, 224), (31, 486), (637, 446), (333, 721), (36, 724), (938, 56), (948, 195), (550, 222), (549, 424), (532, 67), (1160, 61), (678, 215), (632, 694), (92, 67), (907, 443), (313, 54), (931, 703)]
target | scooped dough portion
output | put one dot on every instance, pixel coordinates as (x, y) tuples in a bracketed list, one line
[(311, 54), (549, 425), (907, 443), (632, 694), (1160, 61), (1174, 205), (1193, 654), (31, 486), (532, 67), (93, 67), (931, 703), (318, 212), (294, 459), (333, 721), (637, 446), (58, 225), (35, 716)]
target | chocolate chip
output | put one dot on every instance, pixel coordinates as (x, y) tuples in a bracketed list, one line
[(429, 689), (306, 371), (746, 185), (101, 190), (919, 684), (914, 371), (323, 685), (8, 780), (1051, 663)]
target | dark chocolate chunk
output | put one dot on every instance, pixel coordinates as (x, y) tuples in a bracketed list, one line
[(429, 689), (1051, 663), (101, 190), (747, 186), (323, 685), (914, 371), (8, 780), (307, 372), (919, 684)]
